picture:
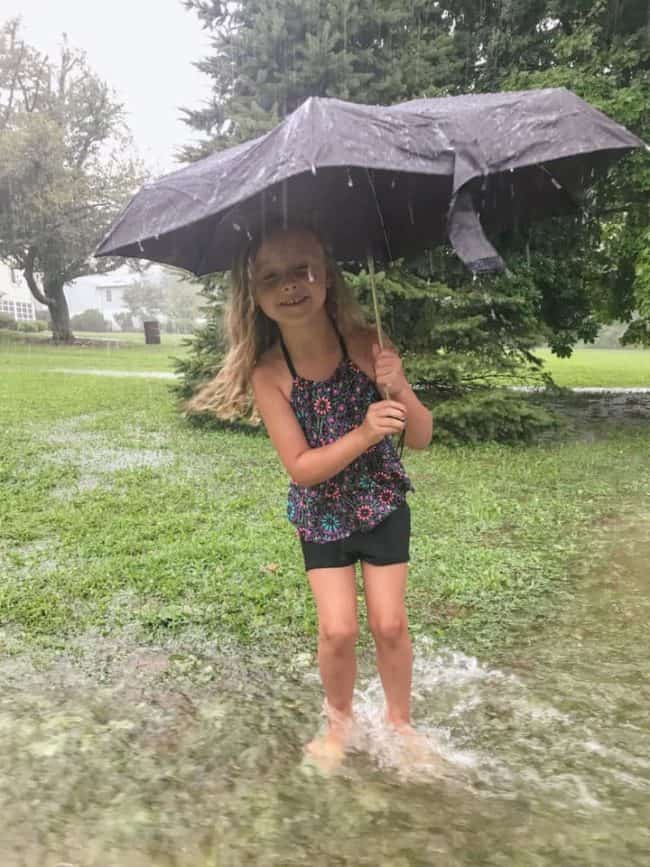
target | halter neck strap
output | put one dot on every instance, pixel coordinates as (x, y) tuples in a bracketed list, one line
[(287, 357)]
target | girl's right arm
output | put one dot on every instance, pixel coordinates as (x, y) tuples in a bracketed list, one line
[(309, 466)]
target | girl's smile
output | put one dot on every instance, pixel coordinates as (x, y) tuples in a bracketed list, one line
[(289, 273), (294, 302)]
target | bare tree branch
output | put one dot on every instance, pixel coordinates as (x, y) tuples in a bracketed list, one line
[(28, 272)]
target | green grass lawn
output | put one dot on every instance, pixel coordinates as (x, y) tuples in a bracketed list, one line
[(586, 367), (115, 512), (600, 367), (136, 356)]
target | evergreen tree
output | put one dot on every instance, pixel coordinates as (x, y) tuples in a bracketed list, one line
[(566, 275)]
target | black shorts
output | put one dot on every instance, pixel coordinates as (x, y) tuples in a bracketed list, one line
[(385, 544)]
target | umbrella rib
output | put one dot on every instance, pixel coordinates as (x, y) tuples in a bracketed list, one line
[(380, 214)]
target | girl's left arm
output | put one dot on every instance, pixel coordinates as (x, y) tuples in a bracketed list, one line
[(390, 374)]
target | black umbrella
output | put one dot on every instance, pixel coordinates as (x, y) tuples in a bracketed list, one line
[(384, 181)]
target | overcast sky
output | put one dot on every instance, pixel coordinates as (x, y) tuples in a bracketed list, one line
[(143, 48)]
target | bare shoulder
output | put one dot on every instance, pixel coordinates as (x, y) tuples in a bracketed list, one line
[(271, 370)]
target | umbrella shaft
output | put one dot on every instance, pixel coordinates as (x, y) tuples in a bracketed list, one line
[(373, 290)]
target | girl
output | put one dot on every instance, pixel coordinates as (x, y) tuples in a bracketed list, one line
[(299, 341)]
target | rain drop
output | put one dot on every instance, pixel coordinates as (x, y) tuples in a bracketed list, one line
[(350, 181), (313, 169), (285, 205), (140, 247), (236, 227), (310, 275), (393, 182)]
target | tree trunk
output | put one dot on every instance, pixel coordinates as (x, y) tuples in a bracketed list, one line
[(54, 296), (61, 331)]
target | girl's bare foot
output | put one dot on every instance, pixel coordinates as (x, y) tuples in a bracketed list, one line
[(416, 748), (328, 751)]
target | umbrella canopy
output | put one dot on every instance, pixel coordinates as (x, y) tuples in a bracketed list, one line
[(388, 181)]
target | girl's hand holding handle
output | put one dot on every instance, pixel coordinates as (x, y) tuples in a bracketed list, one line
[(383, 418)]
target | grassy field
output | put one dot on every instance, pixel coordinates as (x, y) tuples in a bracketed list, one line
[(115, 513), (136, 355), (600, 367), (586, 367)]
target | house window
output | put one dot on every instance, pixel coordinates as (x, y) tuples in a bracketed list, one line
[(24, 310), (18, 309), (109, 296)]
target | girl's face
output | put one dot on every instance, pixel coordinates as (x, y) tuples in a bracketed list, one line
[(289, 276)]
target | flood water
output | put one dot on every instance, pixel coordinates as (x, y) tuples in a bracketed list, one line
[(116, 754)]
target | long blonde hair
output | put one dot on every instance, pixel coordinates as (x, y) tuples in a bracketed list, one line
[(249, 333)]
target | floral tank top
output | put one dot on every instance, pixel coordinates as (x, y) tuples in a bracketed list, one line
[(368, 489)]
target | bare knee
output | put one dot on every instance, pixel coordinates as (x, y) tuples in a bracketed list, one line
[(389, 630), (338, 637)]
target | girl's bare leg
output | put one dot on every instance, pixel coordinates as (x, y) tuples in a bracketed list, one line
[(335, 593), (385, 587)]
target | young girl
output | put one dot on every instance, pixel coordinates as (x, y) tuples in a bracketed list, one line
[(298, 340)]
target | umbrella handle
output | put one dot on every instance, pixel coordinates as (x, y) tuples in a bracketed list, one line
[(373, 290)]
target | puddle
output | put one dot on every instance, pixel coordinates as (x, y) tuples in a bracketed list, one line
[(93, 455), (113, 753), (97, 371)]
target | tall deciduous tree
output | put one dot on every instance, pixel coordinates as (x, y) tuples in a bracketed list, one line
[(63, 174)]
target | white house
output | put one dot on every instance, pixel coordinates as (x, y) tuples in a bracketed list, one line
[(15, 297), (104, 292)]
